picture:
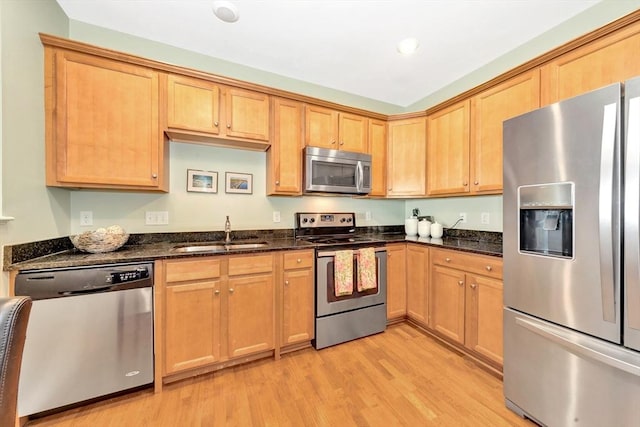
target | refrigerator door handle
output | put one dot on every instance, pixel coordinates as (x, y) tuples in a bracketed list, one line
[(607, 254), (588, 348), (632, 213)]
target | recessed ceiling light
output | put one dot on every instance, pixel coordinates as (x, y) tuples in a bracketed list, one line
[(408, 46), (225, 11)]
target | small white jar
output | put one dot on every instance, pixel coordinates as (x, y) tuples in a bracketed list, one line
[(424, 228), (411, 226), (436, 230)]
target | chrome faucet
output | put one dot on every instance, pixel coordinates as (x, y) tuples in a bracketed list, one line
[(227, 230)]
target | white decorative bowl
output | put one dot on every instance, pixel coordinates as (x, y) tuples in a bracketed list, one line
[(101, 240)]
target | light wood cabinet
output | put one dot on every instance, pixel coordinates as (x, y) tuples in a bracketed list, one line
[(418, 283), (215, 309), (205, 112), (406, 162), (102, 124), (284, 156), (448, 150), (378, 151), (489, 110), (610, 59), (466, 301), (336, 130), (192, 310), (396, 281), (297, 290)]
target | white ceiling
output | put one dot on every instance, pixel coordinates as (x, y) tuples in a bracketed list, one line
[(348, 45)]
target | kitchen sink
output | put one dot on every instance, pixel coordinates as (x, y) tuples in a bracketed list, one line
[(218, 246)]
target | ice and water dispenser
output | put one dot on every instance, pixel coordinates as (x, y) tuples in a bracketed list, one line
[(546, 219)]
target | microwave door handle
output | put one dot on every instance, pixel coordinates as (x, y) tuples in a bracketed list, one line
[(359, 177)]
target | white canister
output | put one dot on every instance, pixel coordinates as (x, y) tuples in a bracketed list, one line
[(411, 226), (436, 230), (424, 228)]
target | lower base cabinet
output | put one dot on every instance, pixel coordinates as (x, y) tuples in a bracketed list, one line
[(418, 283), (216, 309), (297, 290), (466, 301), (396, 282)]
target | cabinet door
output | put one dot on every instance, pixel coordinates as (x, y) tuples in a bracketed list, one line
[(284, 157), (193, 104), (246, 114), (105, 126), (353, 131), (378, 150), (418, 284), (609, 60), (406, 172), (397, 281), (488, 110), (251, 312), (484, 316), (192, 325), (447, 302), (298, 306), (321, 127), (448, 150)]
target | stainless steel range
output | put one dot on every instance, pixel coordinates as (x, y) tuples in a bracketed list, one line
[(346, 309)]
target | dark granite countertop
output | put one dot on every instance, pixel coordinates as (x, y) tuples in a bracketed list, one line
[(59, 253)]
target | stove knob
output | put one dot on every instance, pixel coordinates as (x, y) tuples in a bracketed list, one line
[(304, 220), (349, 219), (312, 220), (343, 220)]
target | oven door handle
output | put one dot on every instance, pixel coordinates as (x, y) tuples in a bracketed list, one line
[(355, 252)]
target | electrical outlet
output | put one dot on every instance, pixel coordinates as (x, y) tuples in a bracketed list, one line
[(485, 218), (276, 216), (86, 218), (463, 217), (163, 217), (367, 216)]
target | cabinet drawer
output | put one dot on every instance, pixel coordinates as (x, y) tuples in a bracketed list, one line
[(298, 259), (250, 264), (180, 271), (479, 264)]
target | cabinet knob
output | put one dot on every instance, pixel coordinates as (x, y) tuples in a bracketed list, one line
[(333, 141), (489, 268), (460, 282), (465, 183), (286, 282), (475, 183), (447, 259), (298, 260), (277, 182), (215, 124), (154, 175), (230, 290), (228, 125), (217, 292), (341, 142), (473, 286)]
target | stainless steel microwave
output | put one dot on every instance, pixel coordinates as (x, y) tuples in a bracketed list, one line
[(336, 171)]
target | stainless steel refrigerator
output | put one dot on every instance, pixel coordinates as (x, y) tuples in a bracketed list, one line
[(572, 260)]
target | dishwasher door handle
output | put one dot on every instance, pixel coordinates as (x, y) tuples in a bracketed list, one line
[(85, 291)]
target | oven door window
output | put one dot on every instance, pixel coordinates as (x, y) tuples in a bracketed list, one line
[(331, 295), (333, 174)]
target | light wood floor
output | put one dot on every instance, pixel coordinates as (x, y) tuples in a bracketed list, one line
[(398, 378)]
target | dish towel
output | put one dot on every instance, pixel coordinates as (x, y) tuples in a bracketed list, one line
[(367, 269), (343, 273)]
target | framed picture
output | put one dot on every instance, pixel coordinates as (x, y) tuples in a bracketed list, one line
[(202, 181), (241, 183)]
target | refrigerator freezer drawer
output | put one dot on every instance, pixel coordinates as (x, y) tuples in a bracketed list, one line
[(559, 377)]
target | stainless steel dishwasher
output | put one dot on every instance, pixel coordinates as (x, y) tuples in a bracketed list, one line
[(90, 334)]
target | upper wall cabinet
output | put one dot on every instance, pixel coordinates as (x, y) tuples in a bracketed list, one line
[(378, 151), (102, 124), (203, 111), (284, 157), (448, 150), (608, 60), (406, 148), (488, 110), (335, 130)]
